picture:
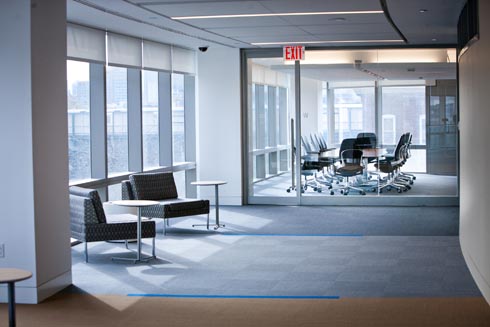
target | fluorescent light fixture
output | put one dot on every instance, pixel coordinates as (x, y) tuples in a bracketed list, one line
[(320, 42), (315, 13)]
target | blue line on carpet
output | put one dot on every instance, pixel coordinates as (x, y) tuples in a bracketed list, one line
[(203, 296), (295, 235)]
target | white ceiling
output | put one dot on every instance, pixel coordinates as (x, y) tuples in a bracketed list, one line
[(150, 19)]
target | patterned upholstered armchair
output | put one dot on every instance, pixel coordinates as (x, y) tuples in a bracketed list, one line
[(90, 224), (161, 187)]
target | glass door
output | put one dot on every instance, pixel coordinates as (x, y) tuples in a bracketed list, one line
[(271, 174)]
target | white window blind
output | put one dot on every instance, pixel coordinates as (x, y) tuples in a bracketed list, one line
[(183, 60), (157, 56), (123, 50), (85, 43)]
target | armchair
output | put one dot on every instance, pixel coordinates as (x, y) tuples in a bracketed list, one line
[(90, 224), (161, 187)]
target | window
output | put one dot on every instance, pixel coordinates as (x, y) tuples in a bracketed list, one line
[(407, 105), (178, 118), (117, 120), (388, 125), (354, 112), (78, 79), (150, 119)]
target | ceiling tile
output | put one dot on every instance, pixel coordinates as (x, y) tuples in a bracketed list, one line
[(323, 5), (209, 8), (271, 31)]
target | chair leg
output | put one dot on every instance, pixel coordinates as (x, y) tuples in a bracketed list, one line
[(164, 228), (126, 243), (153, 246), (86, 252), (207, 223)]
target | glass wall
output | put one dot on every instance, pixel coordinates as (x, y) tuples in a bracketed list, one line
[(117, 120), (78, 76), (372, 105), (149, 89)]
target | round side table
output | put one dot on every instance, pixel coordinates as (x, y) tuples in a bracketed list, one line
[(10, 276), (216, 195)]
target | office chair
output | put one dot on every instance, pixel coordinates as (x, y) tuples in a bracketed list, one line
[(351, 165), (391, 166)]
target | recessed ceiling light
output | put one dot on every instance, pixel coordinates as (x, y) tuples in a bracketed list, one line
[(320, 42), (423, 11), (315, 13), (434, 40)]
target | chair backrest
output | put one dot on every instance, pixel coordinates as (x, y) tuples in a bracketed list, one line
[(351, 157), (86, 202), (153, 186), (347, 144), (399, 147), (349, 154), (306, 145), (366, 140)]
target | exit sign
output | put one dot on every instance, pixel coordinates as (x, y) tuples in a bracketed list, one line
[(293, 52)]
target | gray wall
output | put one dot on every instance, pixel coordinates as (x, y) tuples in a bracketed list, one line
[(33, 141), (475, 154)]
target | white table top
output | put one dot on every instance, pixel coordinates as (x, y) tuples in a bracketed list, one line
[(208, 183), (135, 203), (8, 275)]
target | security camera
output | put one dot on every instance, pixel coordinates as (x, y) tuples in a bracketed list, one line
[(203, 49)]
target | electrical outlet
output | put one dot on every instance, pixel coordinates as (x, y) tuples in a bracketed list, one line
[(2, 250)]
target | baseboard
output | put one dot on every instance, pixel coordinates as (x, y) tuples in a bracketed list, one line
[(480, 280), (35, 295)]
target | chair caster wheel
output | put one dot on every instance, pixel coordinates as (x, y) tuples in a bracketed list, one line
[(411, 182), (315, 189), (363, 193), (373, 189), (330, 187), (319, 190), (399, 191), (288, 190), (331, 193), (345, 193)]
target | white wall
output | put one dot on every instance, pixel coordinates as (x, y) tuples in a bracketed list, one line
[(310, 105), (474, 69), (33, 140), (219, 129)]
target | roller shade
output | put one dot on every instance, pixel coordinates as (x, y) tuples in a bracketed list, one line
[(157, 56), (85, 43), (183, 60), (123, 50)]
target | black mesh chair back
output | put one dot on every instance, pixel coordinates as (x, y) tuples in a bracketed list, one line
[(366, 140), (347, 153)]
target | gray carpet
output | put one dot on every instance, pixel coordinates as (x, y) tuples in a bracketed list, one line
[(292, 251)]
